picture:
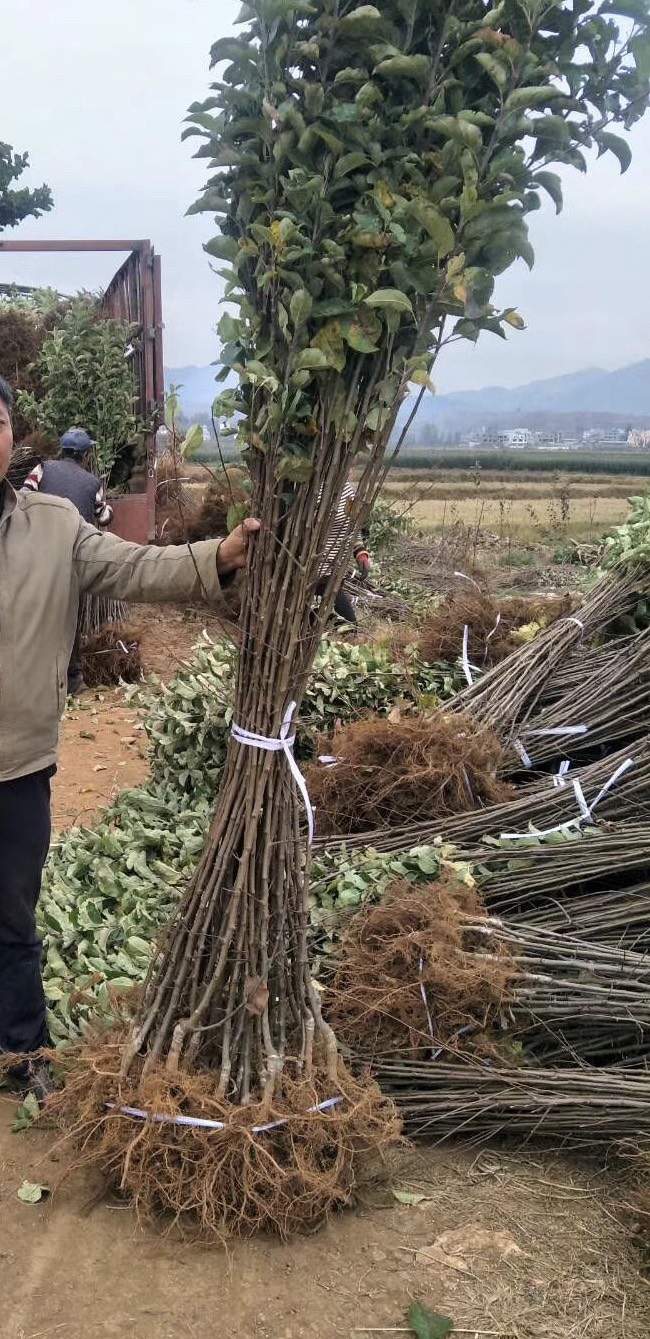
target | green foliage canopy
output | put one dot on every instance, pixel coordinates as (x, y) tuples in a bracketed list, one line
[(372, 169), (87, 381), (16, 205)]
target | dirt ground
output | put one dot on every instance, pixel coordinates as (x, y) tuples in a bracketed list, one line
[(511, 1245)]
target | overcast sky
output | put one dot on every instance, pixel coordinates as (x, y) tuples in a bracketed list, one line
[(96, 90)]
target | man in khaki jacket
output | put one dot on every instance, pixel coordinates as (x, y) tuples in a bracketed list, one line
[(49, 556)]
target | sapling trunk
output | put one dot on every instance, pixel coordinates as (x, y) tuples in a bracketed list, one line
[(231, 987)]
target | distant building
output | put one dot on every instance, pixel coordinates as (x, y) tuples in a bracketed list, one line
[(517, 438), (640, 439), (548, 438)]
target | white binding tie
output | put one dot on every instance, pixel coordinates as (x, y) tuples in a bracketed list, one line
[(283, 744)]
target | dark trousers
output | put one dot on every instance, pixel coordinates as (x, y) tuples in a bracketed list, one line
[(74, 665), (343, 605), (24, 842)]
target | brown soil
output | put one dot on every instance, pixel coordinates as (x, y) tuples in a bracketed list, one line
[(521, 1246)]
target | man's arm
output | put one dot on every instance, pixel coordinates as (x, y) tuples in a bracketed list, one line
[(118, 570), (111, 567)]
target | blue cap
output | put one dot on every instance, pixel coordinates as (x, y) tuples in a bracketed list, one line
[(76, 439)]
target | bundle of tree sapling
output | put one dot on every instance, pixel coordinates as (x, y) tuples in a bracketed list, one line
[(371, 171)]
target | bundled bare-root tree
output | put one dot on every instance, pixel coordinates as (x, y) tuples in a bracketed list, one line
[(371, 169)]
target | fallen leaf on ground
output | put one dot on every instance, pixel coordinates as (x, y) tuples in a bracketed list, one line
[(30, 1192), (407, 1197), (427, 1324)]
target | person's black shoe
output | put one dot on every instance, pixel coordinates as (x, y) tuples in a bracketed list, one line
[(76, 685), (33, 1077)]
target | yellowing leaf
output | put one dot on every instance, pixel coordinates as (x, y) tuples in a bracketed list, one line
[(384, 195), (514, 319)]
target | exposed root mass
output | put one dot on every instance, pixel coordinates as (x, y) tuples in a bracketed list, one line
[(410, 978), (213, 1184)]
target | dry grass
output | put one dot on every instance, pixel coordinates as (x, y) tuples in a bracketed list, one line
[(522, 519), (522, 484), (526, 507)]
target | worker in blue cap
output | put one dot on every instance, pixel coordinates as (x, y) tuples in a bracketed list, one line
[(71, 477)]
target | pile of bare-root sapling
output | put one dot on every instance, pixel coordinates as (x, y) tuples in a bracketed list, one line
[(371, 173)]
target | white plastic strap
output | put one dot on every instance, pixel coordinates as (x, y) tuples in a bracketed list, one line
[(520, 750), (427, 1009), (570, 618), (557, 731), (559, 779), (464, 577), (200, 1123), (328, 759), (554, 732), (586, 810), (491, 634), (624, 767), (284, 744), (466, 669)]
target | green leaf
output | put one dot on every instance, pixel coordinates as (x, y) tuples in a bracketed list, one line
[(192, 441), (222, 248), (553, 185), (522, 98), (349, 162), (28, 1111), (363, 331), (420, 377), (300, 307), (237, 513), (313, 359), (407, 1197), (405, 67), (390, 298), (228, 48), (493, 67), (31, 1192), (513, 318), (298, 469), (608, 143), (438, 227), (366, 16), (427, 1324), (329, 340), (229, 329), (427, 859), (640, 47)]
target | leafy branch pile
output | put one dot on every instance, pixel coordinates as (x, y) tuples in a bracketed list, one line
[(86, 380), (188, 720), (629, 544)]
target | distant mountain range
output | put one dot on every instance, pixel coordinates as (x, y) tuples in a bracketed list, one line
[(578, 400)]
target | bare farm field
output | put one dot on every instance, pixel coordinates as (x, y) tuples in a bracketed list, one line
[(522, 508)]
